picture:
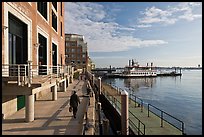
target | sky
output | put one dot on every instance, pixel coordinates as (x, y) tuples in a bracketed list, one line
[(166, 33)]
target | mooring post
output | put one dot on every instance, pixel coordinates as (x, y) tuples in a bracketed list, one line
[(124, 113)]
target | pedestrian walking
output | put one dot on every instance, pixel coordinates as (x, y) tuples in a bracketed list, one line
[(74, 101)]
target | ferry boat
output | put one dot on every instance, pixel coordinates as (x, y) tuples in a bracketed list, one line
[(135, 70)]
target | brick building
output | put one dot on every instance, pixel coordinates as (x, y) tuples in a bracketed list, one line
[(34, 32), (76, 51)]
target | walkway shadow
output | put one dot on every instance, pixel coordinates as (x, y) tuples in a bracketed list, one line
[(11, 121)]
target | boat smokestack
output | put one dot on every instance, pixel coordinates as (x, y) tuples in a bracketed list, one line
[(129, 62)]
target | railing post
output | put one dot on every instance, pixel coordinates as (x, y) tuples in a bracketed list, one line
[(148, 110), (182, 128), (139, 127), (124, 113), (161, 118), (19, 83), (29, 73)]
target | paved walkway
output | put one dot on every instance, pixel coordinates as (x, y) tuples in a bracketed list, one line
[(51, 117)]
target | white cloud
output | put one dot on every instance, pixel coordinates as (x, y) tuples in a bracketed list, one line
[(88, 19), (171, 15), (144, 26)]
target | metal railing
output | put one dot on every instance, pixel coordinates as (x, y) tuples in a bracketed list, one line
[(161, 116), (140, 126), (135, 98)]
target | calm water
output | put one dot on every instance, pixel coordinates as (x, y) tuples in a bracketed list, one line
[(179, 96)]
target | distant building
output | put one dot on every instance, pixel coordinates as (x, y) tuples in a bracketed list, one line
[(91, 65), (31, 31), (76, 51)]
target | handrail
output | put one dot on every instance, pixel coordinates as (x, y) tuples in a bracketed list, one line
[(141, 101), (162, 118), (139, 123), (28, 70), (117, 107)]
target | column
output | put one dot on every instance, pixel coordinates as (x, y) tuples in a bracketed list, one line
[(29, 108), (124, 113), (54, 92)]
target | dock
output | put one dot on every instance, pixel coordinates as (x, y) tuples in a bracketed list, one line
[(117, 75)]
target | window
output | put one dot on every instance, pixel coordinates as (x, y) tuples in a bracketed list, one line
[(73, 55), (42, 8), (42, 51), (67, 50), (61, 28), (54, 5), (61, 8), (54, 21), (73, 50), (83, 55)]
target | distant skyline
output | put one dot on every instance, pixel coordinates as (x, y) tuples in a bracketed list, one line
[(165, 33)]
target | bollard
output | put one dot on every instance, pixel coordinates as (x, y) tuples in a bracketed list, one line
[(124, 113), (54, 92)]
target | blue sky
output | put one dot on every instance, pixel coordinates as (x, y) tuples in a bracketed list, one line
[(165, 33)]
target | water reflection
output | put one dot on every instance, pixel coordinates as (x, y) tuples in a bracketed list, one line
[(136, 83)]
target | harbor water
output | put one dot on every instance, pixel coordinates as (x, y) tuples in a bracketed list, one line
[(179, 96)]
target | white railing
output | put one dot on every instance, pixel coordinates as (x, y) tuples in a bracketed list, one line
[(28, 71)]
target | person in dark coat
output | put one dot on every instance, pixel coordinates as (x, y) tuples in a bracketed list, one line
[(74, 101)]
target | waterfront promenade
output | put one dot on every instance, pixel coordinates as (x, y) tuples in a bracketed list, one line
[(147, 125), (53, 117)]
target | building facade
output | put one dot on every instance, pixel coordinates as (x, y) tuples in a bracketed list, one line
[(34, 32), (76, 51)]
